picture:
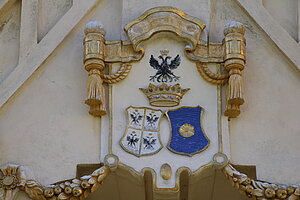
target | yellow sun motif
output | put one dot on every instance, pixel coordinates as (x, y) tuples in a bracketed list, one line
[(186, 130)]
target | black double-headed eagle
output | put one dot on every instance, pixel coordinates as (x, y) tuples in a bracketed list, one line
[(164, 73)]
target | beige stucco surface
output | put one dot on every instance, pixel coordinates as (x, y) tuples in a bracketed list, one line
[(46, 126), (9, 39)]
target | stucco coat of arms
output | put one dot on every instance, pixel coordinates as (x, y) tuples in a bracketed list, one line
[(160, 93), (169, 81)]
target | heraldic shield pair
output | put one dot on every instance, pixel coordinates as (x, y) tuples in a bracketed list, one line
[(142, 137)]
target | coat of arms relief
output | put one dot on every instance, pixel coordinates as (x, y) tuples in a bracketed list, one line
[(164, 100)]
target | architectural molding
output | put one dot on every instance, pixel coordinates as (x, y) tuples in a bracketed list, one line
[(39, 52), (273, 29)]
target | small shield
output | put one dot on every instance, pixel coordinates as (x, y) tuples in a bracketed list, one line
[(142, 133), (187, 136)]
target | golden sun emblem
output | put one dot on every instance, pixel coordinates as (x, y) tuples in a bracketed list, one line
[(186, 130)]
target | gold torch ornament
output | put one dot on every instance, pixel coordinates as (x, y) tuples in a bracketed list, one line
[(94, 45), (235, 49)]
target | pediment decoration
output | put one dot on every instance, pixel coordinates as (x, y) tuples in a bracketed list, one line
[(13, 178), (99, 53)]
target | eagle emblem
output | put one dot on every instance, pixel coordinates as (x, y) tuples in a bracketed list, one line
[(164, 69), (141, 137)]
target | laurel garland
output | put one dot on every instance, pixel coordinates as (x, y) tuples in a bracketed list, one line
[(74, 189), (259, 190)]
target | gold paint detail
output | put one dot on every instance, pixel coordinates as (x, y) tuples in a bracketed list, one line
[(209, 76), (164, 52), (94, 45), (230, 54), (164, 95), (167, 19), (235, 51), (166, 171), (13, 177), (187, 130), (259, 189)]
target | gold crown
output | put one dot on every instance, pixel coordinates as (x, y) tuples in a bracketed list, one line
[(164, 52), (164, 95)]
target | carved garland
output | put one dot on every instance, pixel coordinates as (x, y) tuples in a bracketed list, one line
[(13, 178), (98, 53), (258, 189)]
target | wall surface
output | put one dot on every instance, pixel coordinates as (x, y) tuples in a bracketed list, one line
[(46, 126)]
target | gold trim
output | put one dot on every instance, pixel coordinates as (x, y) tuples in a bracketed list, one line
[(187, 130), (127, 127), (143, 28), (219, 113), (164, 95), (201, 123)]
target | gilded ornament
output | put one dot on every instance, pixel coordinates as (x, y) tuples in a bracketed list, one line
[(85, 184), (164, 95), (270, 193), (49, 192), (258, 189), (99, 53), (68, 190), (77, 191), (282, 193), (166, 171), (187, 130), (57, 190)]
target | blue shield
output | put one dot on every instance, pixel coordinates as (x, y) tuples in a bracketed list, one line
[(187, 136)]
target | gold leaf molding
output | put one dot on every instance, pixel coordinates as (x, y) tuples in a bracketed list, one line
[(98, 53)]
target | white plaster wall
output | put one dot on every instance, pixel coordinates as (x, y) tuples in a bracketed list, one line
[(9, 39), (45, 14), (267, 132), (286, 13), (46, 126)]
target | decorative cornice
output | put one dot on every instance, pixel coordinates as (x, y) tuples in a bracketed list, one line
[(259, 189), (166, 19), (13, 178)]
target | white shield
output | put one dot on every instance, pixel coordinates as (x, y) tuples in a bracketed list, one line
[(142, 133)]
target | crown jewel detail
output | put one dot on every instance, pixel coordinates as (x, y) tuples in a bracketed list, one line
[(164, 95), (164, 52)]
